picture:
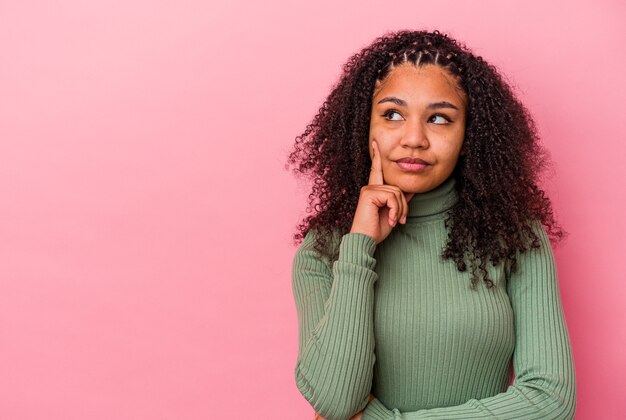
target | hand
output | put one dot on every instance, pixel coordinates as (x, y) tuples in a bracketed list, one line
[(380, 205)]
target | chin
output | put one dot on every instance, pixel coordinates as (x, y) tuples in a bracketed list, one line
[(417, 183), (420, 187), (422, 190)]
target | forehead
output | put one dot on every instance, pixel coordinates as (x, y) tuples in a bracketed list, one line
[(418, 84)]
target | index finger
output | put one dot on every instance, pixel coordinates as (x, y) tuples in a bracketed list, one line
[(376, 173)]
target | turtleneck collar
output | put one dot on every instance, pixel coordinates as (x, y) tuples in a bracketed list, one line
[(435, 201)]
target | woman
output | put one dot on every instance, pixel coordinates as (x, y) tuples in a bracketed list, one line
[(425, 164)]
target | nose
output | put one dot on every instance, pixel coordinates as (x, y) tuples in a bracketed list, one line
[(415, 135)]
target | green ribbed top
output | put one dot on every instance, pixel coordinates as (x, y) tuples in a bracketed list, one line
[(398, 321)]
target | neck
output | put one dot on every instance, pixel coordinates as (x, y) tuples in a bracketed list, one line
[(438, 200)]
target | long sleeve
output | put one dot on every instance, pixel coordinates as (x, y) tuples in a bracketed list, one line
[(545, 383), (335, 309)]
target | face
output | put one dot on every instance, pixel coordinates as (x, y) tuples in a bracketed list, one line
[(418, 113)]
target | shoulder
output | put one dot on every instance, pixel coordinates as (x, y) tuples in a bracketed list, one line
[(537, 262), (540, 246), (314, 235), (309, 250)]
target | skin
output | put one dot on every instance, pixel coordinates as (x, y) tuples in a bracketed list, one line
[(417, 112), (380, 205), (416, 130)]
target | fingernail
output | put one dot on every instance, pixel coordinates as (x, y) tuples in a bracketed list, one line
[(403, 219)]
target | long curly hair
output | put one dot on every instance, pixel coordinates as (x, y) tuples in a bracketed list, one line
[(497, 172)]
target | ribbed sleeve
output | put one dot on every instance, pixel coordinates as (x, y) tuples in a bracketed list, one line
[(335, 319), (545, 383)]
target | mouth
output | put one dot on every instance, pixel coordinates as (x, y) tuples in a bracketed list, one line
[(413, 164), (413, 160)]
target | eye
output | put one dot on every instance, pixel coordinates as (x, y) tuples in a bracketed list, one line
[(440, 119), (391, 111)]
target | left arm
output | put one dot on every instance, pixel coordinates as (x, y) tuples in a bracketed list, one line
[(545, 383)]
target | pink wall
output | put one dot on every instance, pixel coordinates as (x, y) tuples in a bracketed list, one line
[(146, 218)]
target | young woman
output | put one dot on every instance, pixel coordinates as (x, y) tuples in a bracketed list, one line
[(425, 279)]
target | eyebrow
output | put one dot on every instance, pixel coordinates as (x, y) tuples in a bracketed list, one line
[(434, 105)]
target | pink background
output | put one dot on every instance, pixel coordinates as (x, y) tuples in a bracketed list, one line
[(146, 216)]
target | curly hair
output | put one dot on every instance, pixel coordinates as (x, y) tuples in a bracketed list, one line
[(497, 172)]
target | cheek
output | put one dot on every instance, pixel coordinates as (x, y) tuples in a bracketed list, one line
[(383, 137), (375, 133), (454, 143), (383, 140), (449, 151)]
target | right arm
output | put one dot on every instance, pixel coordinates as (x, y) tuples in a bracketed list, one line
[(335, 308), (335, 304)]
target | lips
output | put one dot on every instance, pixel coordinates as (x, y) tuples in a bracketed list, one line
[(417, 166), (412, 160)]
